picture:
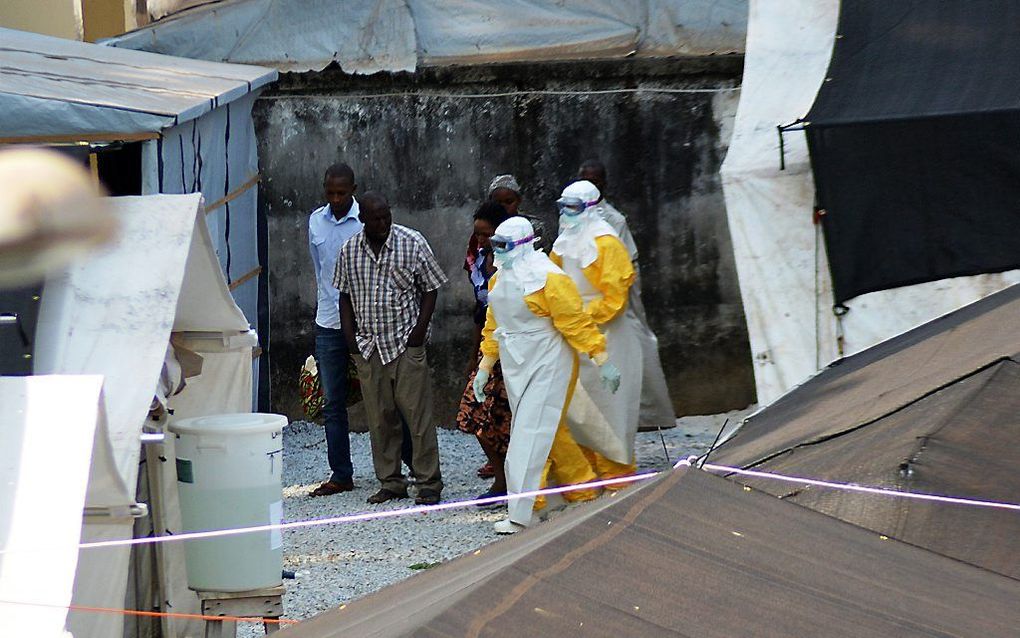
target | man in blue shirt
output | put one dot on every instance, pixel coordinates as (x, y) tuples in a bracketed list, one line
[(328, 228)]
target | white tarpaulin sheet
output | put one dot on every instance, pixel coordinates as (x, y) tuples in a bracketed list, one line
[(487, 31), (47, 427), (366, 36), (113, 315), (781, 263)]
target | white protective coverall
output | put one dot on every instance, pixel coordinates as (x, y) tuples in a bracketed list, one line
[(591, 253), (534, 324), (656, 406)]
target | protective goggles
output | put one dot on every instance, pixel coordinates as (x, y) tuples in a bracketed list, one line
[(572, 205), (501, 244)]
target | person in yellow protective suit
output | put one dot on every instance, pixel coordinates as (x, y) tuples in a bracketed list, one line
[(656, 406), (591, 253), (534, 324)]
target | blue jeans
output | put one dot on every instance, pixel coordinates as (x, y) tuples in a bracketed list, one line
[(332, 356)]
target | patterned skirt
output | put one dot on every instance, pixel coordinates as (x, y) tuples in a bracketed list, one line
[(489, 420)]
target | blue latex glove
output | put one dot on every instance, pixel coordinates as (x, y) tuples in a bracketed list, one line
[(481, 378), (610, 376)]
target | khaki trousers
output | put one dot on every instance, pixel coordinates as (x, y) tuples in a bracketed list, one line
[(402, 387)]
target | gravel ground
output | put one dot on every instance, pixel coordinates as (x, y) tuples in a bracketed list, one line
[(338, 563)]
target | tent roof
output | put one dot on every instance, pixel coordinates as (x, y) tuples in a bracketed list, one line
[(934, 410), (367, 36), (689, 555), (867, 386), (52, 87), (963, 440)]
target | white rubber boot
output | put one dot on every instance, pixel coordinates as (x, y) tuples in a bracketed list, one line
[(507, 526)]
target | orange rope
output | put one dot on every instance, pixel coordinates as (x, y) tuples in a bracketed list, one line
[(158, 614)]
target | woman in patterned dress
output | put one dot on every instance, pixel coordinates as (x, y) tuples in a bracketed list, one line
[(489, 420)]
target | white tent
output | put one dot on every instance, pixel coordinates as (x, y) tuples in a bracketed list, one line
[(780, 257), (366, 36), (114, 315), (42, 495), (192, 119)]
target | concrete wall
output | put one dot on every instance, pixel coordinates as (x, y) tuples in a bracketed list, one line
[(107, 18), (88, 20), (60, 18), (432, 145)]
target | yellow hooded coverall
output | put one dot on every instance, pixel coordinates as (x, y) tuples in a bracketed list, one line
[(612, 274)]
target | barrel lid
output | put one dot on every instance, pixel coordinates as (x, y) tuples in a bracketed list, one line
[(243, 423)]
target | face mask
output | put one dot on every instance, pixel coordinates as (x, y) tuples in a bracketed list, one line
[(503, 260), (570, 220)]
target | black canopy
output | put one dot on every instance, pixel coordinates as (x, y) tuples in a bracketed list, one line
[(915, 142)]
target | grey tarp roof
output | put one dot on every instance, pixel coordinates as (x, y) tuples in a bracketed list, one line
[(935, 410), (689, 555), (53, 87), (366, 36)]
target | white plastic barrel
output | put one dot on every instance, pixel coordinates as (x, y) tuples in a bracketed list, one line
[(229, 470)]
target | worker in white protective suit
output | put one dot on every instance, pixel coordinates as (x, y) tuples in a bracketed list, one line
[(656, 406), (534, 324), (591, 253)]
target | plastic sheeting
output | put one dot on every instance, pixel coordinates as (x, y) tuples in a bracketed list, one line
[(691, 554), (780, 257), (366, 36), (217, 155), (783, 282), (113, 315), (34, 515)]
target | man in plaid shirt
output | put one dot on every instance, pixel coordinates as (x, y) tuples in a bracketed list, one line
[(389, 280)]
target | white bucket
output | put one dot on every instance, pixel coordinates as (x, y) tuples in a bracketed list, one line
[(229, 471)]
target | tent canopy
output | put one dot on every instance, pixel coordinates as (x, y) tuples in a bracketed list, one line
[(689, 555), (366, 36), (51, 88), (932, 411), (94, 322), (889, 54), (913, 143)]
